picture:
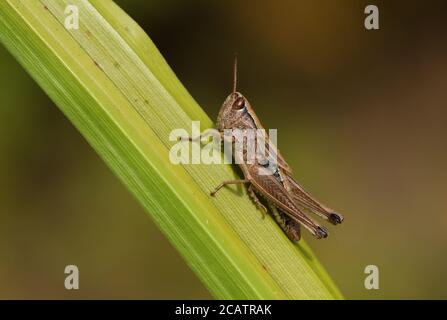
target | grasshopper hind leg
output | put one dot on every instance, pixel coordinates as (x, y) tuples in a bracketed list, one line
[(256, 200), (290, 227)]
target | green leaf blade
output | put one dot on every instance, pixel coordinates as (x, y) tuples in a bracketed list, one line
[(113, 84)]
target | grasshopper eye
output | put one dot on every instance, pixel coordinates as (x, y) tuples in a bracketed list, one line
[(239, 104)]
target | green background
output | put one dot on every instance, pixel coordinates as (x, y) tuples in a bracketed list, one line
[(360, 117)]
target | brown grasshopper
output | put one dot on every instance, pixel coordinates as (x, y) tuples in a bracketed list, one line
[(286, 198)]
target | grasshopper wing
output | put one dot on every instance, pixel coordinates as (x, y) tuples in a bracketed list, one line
[(303, 198), (270, 187)]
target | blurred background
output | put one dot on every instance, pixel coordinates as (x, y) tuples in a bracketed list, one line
[(361, 117)]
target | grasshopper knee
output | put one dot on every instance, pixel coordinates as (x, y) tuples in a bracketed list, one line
[(321, 232), (335, 218)]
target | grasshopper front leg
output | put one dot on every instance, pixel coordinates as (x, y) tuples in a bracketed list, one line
[(208, 133)]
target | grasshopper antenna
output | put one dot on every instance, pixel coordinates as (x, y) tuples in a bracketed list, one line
[(235, 74)]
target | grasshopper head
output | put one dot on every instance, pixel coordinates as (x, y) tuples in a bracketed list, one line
[(234, 113)]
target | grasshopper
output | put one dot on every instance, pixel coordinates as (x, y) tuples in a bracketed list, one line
[(285, 197)]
